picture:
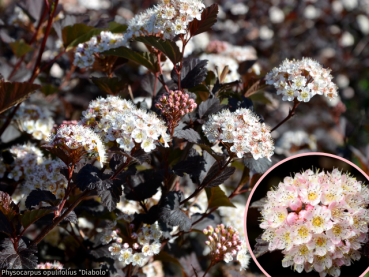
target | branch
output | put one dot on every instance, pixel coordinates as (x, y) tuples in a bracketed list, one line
[(290, 114)]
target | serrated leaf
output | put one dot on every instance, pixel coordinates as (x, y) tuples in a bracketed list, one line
[(189, 166), (37, 196), (210, 106), (29, 217), (208, 19), (60, 153), (78, 33), (90, 177), (215, 176), (260, 165), (116, 27), (7, 213), (22, 258), (168, 47), (170, 213), (12, 93), (136, 57), (111, 197), (217, 198), (116, 161), (20, 48), (188, 134), (112, 86), (143, 185), (193, 72)]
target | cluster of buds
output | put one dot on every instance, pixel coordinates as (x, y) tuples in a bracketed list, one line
[(77, 141), (224, 242), (137, 248), (175, 104), (48, 265)]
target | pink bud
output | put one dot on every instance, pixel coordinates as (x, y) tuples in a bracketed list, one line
[(223, 231), (309, 207), (229, 244), (302, 215), (224, 248), (222, 226), (126, 245), (210, 238), (217, 251), (223, 239), (295, 204), (292, 218), (219, 245), (234, 252), (205, 231), (179, 93), (186, 111), (215, 235), (207, 242), (235, 242), (119, 240), (136, 245), (182, 113), (216, 230), (238, 247)]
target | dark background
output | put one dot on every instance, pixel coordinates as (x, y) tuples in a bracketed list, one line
[(272, 262)]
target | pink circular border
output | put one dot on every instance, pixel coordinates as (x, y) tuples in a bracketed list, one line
[(266, 173)]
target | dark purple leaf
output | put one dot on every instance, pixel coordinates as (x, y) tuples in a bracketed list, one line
[(90, 177), (210, 106), (193, 73), (215, 176), (23, 258), (188, 134), (37, 196)]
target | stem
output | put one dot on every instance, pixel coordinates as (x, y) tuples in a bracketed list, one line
[(43, 44), (290, 114), (206, 272), (129, 270), (200, 188), (57, 220), (161, 72), (17, 65)]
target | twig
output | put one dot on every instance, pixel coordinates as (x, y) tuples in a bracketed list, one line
[(290, 114)]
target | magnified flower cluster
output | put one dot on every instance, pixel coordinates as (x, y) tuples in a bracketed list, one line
[(167, 20), (225, 244), (77, 141), (243, 130), (319, 220), (33, 120), (141, 246), (119, 120), (48, 265), (302, 79)]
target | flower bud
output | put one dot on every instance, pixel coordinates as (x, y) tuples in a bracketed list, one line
[(210, 238), (295, 204), (234, 252), (126, 245), (292, 218), (119, 240), (309, 207), (136, 245), (219, 245), (217, 252), (216, 230), (207, 242), (205, 231)]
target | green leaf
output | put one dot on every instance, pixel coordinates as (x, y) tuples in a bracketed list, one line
[(165, 257), (111, 86), (217, 198), (208, 19), (30, 217), (49, 89), (12, 93), (168, 47), (78, 33), (115, 27), (20, 48), (136, 57), (260, 97)]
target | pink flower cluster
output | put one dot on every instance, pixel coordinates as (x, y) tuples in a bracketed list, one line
[(319, 220), (176, 104), (48, 265), (224, 242)]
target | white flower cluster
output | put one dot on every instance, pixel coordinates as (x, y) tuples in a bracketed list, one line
[(84, 55), (119, 120), (38, 172), (243, 130), (77, 140), (302, 79), (138, 253), (26, 157), (35, 121), (319, 220), (168, 19)]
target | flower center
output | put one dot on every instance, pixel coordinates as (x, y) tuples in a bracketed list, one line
[(303, 232), (318, 221)]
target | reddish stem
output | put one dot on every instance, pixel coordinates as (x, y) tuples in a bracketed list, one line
[(290, 114)]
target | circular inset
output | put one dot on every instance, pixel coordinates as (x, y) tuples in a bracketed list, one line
[(312, 210)]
